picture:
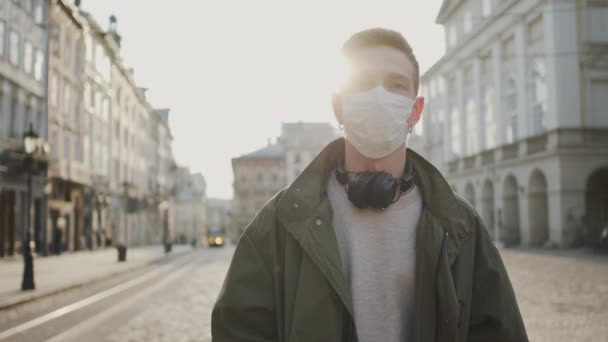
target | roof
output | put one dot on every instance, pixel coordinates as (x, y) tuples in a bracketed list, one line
[(270, 151), (446, 9)]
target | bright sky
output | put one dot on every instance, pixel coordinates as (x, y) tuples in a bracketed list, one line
[(232, 71)]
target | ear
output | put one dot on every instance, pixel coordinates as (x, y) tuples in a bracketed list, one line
[(416, 112), (336, 102)]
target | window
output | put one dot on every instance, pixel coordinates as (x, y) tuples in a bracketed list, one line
[(78, 149), (67, 47), (38, 15), (452, 35), (472, 131), (2, 29), (486, 8), (66, 98), (66, 146), (455, 128), (596, 22), (87, 95), (38, 65), (54, 90), (117, 130), (14, 48), (468, 22), (97, 103), (54, 141), (510, 107), (28, 52), (28, 6), (106, 109), (537, 87), (88, 45), (599, 103)]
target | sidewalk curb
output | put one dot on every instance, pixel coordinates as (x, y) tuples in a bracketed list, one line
[(11, 304)]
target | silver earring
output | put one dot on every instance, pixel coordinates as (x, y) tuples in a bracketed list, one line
[(341, 126), (410, 129)]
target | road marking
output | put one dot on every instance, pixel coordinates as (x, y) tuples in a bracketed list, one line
[(84, 302), (96, 320)]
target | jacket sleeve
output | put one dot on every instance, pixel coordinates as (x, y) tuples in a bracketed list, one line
[(244, 310), (495, 315)]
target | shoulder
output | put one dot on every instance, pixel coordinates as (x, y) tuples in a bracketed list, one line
[(264, 221)]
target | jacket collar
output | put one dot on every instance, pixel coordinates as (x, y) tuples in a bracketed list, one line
[(305, 212), (308, 190)]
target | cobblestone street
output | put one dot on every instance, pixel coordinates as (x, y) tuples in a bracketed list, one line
[(563, 296)]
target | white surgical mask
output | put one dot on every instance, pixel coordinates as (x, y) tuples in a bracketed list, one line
[(375, 121)]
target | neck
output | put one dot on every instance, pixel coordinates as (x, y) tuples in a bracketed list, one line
[(354, 161)]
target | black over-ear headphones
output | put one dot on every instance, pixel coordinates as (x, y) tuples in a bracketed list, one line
[(377, 190)]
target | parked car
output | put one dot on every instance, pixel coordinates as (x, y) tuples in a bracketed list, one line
[(216, 236)]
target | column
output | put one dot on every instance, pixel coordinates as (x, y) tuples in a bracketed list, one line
[(461, 109), (561, 47), (478, 104), (523, 114), (497, 78)]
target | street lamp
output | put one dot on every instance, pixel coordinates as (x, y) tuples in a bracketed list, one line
[(32, 145)]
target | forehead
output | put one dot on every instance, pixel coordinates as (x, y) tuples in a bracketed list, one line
[(382, 60)]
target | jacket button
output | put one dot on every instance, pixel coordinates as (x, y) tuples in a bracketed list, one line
[(318, 222), (461, 235), (450, 252), (295, 205)]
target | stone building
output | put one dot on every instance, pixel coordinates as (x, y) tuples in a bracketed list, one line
[(302, 142), (23, 46), (190, 206), (516, 116), (69, 172), (257, 177), (261, 174)]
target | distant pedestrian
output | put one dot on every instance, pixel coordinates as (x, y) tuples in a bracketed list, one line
[(369, 243)]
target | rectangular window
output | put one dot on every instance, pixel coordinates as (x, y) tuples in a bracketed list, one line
[(596, 22), (67, 46), (14, 48), (2, 31), (468, 22), (455, 132), (38, 15), (599, 103), (66, 146), (54, 90), (486, 8), (87, 95), (88, 45), (54, 141), (452, 35), (28, 54), (66, 98), (38, 65)]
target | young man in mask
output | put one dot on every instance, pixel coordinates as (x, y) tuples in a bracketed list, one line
[(369, 243)]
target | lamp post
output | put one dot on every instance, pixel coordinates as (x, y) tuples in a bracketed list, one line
[(33, 146)]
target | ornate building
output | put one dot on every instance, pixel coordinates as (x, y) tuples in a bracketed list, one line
[(516, 116)]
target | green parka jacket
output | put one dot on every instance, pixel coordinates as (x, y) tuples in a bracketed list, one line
[(286, 282)]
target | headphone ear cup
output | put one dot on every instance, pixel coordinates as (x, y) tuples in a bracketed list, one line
[(383, 190), (359, 189)]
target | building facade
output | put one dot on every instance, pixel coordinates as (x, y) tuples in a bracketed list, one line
[(516, 116), (23, 46), (261, 174), (190, 206), (110, 174)]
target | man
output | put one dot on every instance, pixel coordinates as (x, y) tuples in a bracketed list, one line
[(369, 243)]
